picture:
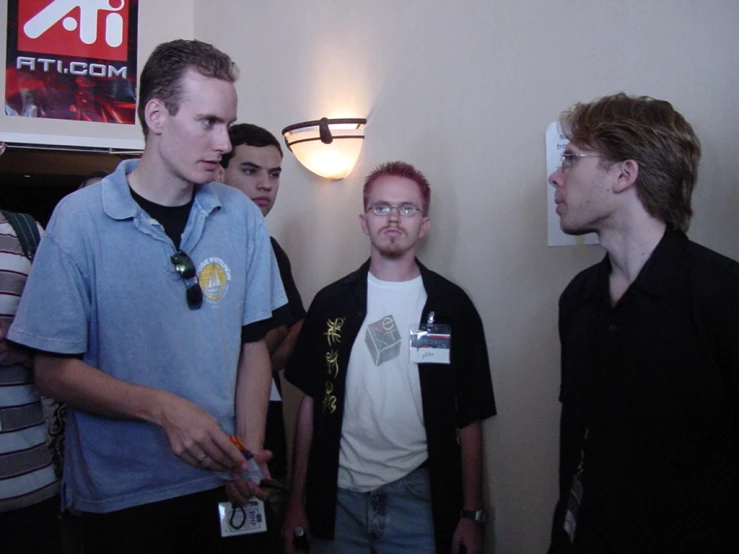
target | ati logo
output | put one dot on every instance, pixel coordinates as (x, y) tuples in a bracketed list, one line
[(79, 28)]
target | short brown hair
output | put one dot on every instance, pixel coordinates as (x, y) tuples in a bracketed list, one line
[(650, 132), (399, 169), (163, 72)]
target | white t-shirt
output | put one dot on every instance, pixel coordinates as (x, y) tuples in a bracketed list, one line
[(382, 435)]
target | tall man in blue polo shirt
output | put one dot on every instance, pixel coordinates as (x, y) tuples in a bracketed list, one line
[(388, 446), (146, 305), (649, 458)]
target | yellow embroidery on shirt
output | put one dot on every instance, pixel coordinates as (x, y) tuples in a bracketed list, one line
[(333, 332), (332, 363), (329, 399), (333, 337)]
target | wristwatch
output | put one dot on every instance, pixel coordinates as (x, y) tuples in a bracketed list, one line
[(478, 516)]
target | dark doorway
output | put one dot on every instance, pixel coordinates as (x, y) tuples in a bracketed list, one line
[(33, 181)]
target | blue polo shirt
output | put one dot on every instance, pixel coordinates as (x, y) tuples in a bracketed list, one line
[(103, 286)]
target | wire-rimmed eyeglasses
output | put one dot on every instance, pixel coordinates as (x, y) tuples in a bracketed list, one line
[(404, 210), (186, 269), (567, 159)]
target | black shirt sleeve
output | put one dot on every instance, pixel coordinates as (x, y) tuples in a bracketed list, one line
[(294, 301), (475, 389), (289, 314), (258, 329)]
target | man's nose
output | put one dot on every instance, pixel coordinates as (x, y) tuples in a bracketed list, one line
[(555, 179), (221, 141), (263, 182)]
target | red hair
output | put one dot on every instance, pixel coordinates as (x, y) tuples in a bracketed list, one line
[(399, 169)]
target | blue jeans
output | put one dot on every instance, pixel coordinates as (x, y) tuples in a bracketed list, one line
[(393, 519)]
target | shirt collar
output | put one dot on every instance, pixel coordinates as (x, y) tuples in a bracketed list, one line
[(360, 275), (659, 275), (118, 203)]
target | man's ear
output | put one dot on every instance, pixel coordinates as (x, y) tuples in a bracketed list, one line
[(363, 223), (627, 176), (424, 227), (156, 115), (220, 174)]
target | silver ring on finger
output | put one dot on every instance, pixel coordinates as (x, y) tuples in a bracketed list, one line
[(202, 459)]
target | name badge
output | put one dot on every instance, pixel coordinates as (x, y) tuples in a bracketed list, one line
[(430, 343), (242, 519)]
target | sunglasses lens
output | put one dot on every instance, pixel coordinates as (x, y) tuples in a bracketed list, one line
[(194, 296), (183, 265)]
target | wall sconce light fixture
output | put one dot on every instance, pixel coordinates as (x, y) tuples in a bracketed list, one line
[(327, 147)]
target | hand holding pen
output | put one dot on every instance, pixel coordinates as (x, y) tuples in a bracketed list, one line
[(252, 481)]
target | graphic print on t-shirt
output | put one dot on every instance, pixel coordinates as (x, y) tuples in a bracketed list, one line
[(383, 340)]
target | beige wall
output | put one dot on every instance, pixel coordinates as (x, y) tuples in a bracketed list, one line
[(158, 22), (465, 90)]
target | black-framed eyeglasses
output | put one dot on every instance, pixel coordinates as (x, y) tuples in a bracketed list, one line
[(404, 210), (186, 269)]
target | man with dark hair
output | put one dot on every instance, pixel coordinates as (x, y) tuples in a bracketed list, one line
[(147, 306), (393, 363), (254, 166), (649, 459)]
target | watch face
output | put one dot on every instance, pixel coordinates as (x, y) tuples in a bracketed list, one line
[(479, 515)]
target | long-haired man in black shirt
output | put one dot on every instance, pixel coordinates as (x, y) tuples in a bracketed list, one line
[(650, 343)]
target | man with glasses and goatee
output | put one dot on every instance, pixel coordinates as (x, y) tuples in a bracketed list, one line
[(393, 363), (146, 307)]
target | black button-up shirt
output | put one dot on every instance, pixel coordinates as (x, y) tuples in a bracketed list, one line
[(654, 379), (453, 395)]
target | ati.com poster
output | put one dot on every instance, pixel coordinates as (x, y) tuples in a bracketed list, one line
[(72, 59)]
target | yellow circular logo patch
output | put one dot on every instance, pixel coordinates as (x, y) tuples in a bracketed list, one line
[(213, 276)]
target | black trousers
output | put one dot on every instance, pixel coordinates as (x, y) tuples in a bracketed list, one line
[(179, 525), (32, 529)]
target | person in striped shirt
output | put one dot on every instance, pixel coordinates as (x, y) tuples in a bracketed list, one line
[(29, 489)]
